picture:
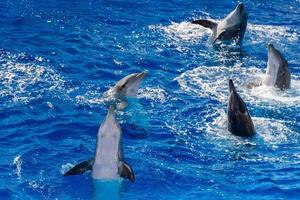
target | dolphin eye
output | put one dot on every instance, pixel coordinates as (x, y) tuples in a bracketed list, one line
[(123, 86)]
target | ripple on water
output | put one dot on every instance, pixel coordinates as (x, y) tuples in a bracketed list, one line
[(266, 33), (23, 80)]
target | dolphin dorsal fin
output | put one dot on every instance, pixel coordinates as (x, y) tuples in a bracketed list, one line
[(206, 23), (126, 171)]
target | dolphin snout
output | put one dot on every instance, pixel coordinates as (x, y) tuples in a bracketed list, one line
[(231, 85), (142, 75), (270, 46), (241, 7)]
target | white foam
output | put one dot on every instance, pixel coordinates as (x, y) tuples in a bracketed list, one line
[(18, 163), (156, 94), (22, 82), (66, 167), (274, 96), (92, 97), (270, 131), (184, 31), (117, 62), (213, 82)]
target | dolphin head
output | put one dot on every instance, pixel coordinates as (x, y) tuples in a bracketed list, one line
[(231, 86), (129, 85), (235, 101), (278, 73), (239, 121), (239, 14), (233, 25)]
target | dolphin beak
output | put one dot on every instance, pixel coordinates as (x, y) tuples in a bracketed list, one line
[(240, 6), (231, 86), (141, 76), (134, 83), (270, 46), (271, 50)]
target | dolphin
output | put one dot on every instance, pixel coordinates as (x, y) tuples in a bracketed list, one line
[(108, 162), (126, 87), (239, 120), (233, 26), (278, 73)]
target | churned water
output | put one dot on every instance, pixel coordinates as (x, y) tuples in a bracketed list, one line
[(58, 57)]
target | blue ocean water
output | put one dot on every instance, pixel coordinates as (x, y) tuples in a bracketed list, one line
[(57, 58)]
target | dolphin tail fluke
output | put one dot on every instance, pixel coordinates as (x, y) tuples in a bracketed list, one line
[(126, 171), (205, 23), (80, 168)]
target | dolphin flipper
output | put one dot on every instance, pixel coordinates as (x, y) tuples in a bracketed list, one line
[(126, 171), (205, 23), (80, 168)]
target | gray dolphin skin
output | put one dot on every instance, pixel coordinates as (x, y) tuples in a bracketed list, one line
[(239, 121), (278, 73), (128, 86), (108, 162), (232, 27)]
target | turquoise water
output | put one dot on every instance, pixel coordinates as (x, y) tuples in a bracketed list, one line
[(57, 58)]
